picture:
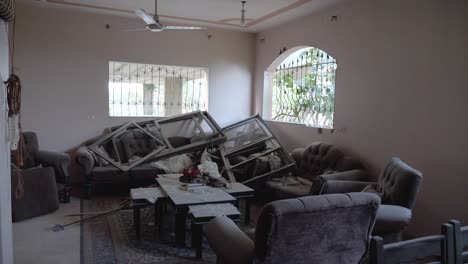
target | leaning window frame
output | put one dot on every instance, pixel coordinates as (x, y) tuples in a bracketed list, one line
[(165, 150)]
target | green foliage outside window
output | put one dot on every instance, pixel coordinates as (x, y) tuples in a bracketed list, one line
[(304, 89)]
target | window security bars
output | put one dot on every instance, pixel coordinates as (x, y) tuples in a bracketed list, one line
[(304, 89), (137, 89)]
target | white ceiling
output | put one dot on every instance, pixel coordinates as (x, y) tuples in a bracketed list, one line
[(261, 14)]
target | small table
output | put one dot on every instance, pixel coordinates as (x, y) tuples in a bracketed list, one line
[(202, 214), (181, 199), (240, 191), (144, 197)]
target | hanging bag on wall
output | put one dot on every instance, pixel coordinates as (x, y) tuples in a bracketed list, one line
[(7, 10), (13, 89)]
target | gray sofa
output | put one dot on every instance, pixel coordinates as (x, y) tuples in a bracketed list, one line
[(314, 160), (131, 143), (398, 185), (332, 228)]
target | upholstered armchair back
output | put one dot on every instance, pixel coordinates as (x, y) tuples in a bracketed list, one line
[(399, 184), (333, 228), (319, 158)]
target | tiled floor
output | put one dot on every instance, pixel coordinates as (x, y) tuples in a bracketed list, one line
[(35, 242)]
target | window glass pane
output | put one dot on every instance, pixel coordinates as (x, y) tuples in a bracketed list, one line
[(244, 134), (156, 90)]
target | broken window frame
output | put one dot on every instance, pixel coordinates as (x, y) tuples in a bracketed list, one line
[(283, 154), (216, 138)]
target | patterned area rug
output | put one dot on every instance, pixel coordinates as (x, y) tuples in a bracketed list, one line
[(112, 239)]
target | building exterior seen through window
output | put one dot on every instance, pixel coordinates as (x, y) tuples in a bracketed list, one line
[(137, 89), (301, 89)]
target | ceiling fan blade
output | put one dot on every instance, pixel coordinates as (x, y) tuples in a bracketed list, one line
[(137, 29), (183, 28), (143, 15)]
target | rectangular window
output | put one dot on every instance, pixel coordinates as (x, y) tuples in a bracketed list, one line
[(137, 89)]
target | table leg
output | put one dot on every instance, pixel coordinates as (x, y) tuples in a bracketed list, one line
[(180, 222), (136, 220), (157, 217), (197, 242)]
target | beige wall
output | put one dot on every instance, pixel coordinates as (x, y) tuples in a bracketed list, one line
[(63, 56), (401, 90)]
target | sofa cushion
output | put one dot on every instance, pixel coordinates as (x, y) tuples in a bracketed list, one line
[(289, 187), (109, 174)]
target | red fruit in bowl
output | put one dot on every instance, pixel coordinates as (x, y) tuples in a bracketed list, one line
[(195, 172), (186, 173)]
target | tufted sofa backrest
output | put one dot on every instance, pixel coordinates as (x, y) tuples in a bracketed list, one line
[(135, 143), (319, 158), (331, 228), (399, 184)]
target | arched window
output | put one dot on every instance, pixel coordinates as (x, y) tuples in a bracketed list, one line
[(301, 88)]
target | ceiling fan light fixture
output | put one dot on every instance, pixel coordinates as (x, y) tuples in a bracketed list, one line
[(243, 14)]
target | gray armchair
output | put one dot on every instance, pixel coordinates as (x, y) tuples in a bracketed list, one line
[(397, 186), (40, 193), (58, 162), (314, 160), (332, 228)]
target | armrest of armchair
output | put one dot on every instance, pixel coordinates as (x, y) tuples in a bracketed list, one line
[(337, 186), (224, 236), (85, 158), (391, 219), (59, 161)]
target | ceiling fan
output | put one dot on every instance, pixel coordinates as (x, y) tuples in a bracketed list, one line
[(152, 22), (243, 13)]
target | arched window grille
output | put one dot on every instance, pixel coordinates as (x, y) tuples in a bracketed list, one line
[(303, 89), (137, 89)]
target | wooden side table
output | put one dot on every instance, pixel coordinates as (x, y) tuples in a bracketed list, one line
[(202, 214)]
